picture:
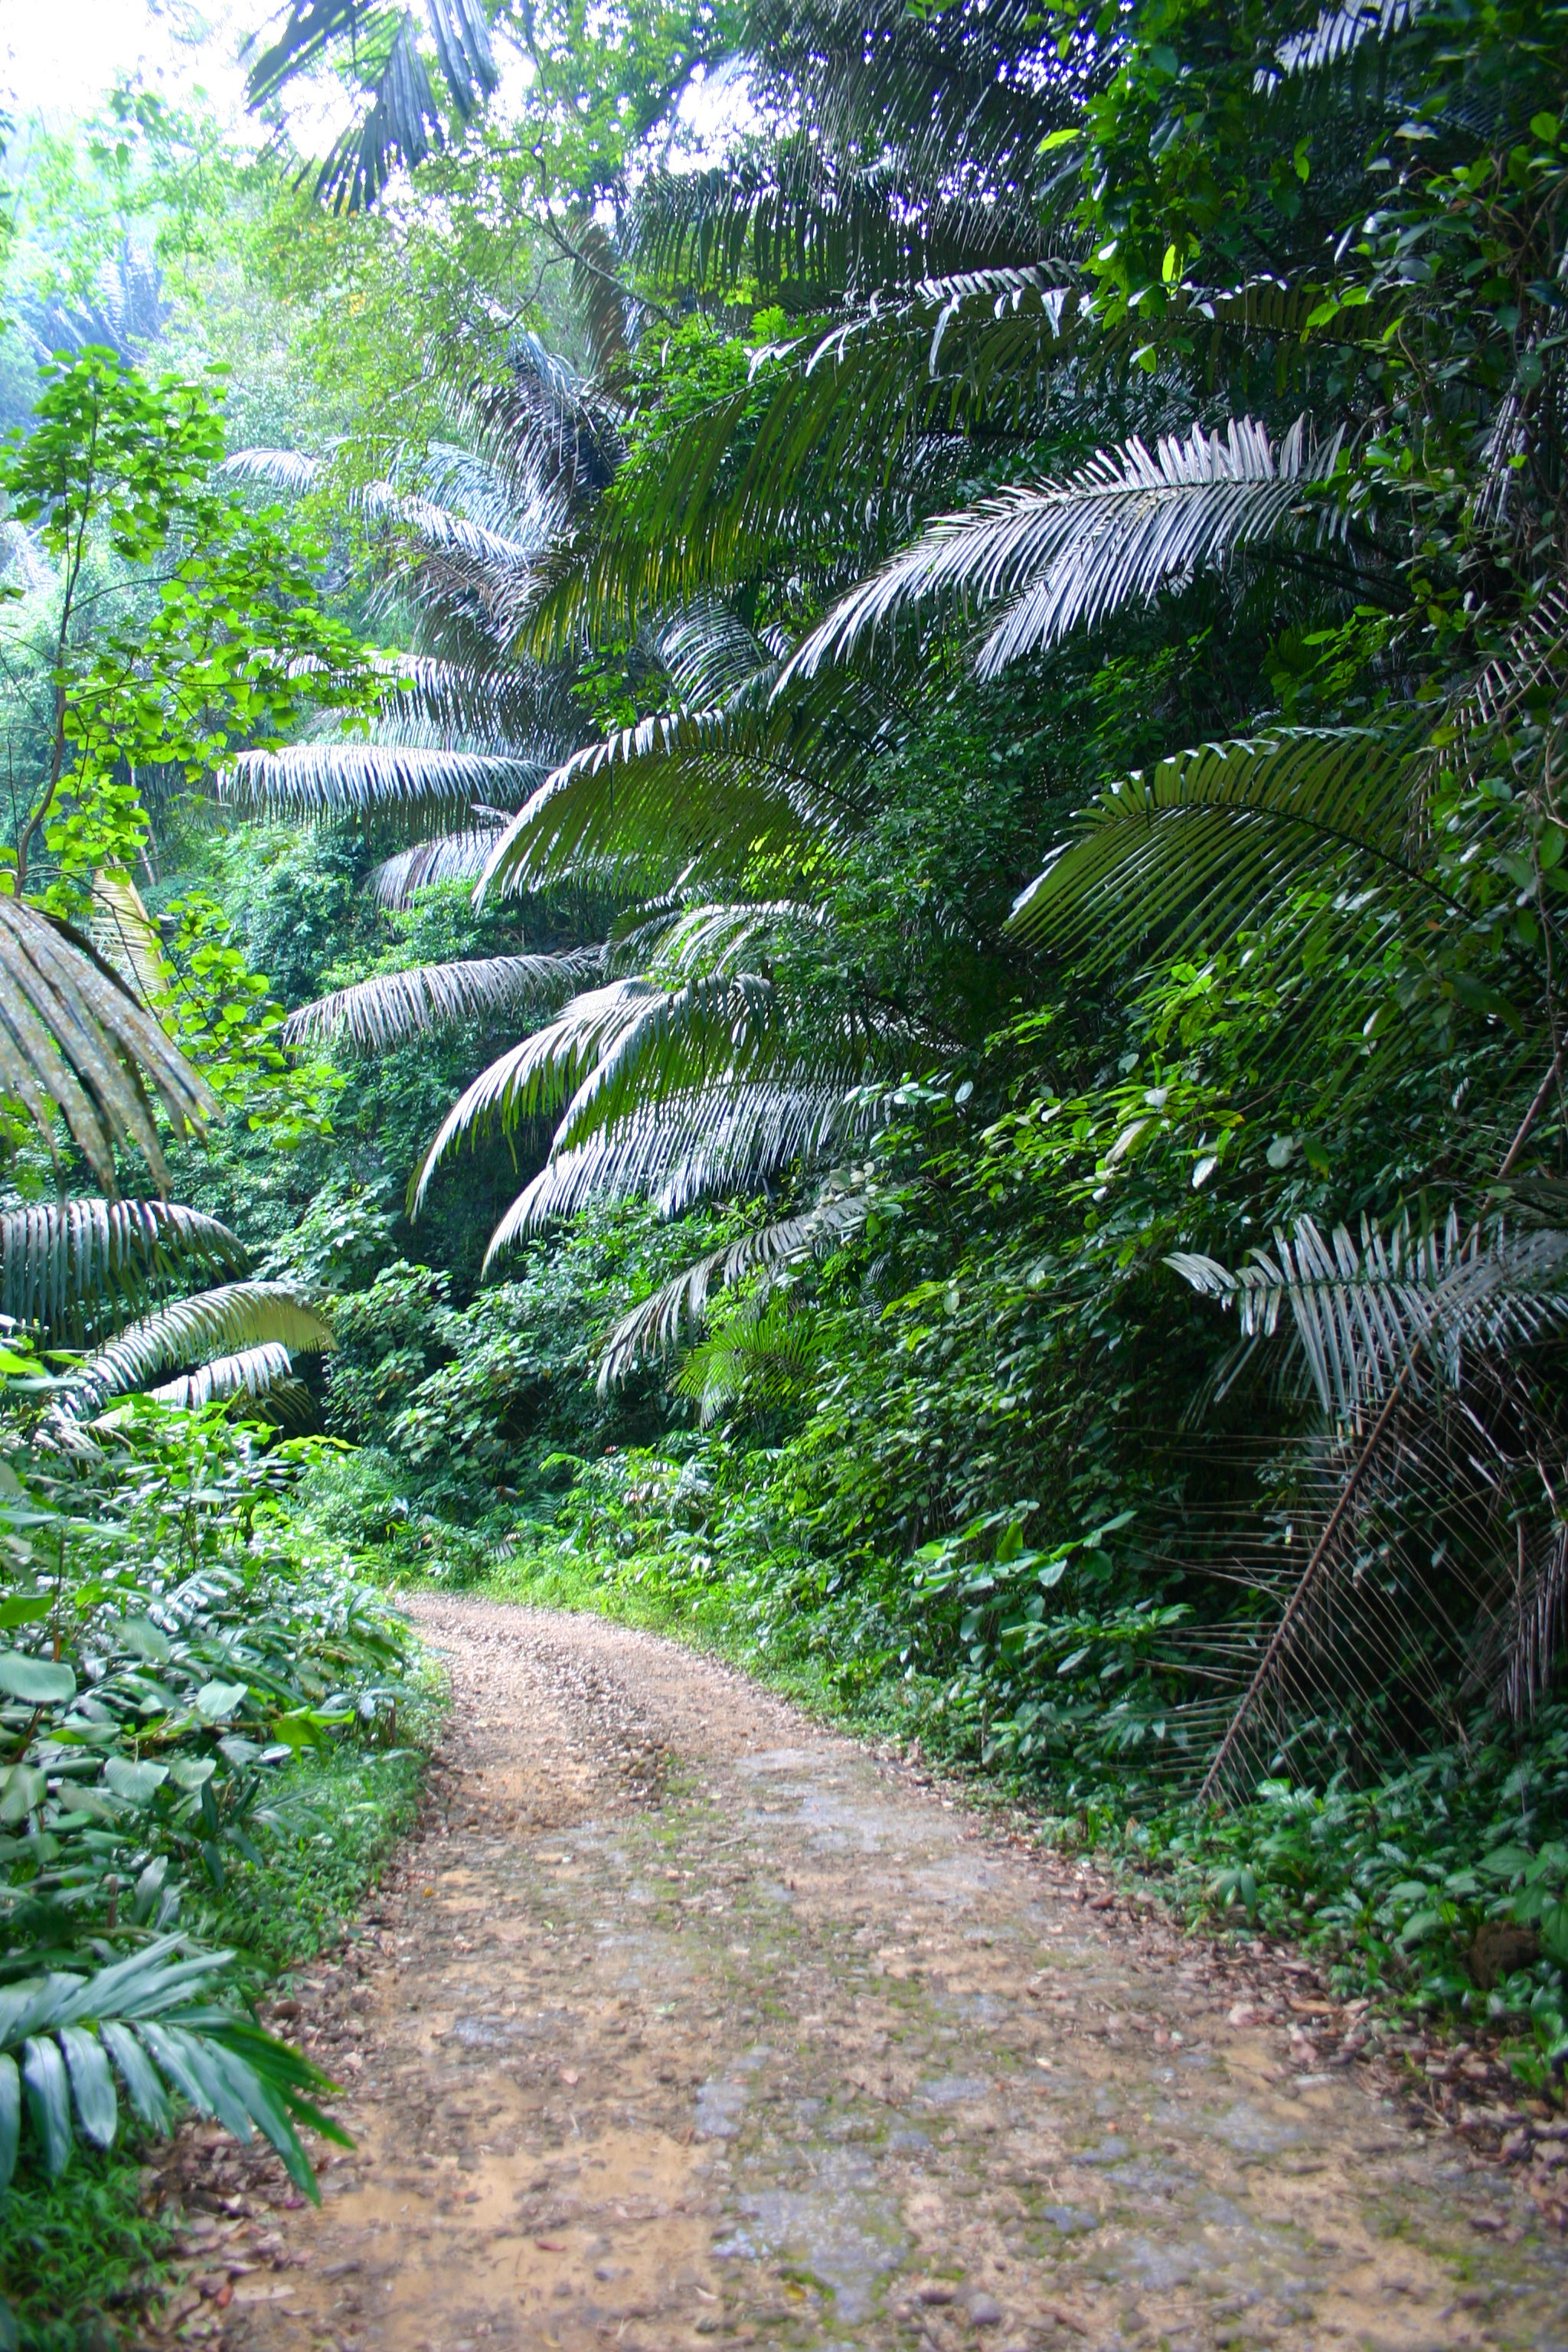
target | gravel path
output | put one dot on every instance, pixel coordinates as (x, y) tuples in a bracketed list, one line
[(684, 2019)]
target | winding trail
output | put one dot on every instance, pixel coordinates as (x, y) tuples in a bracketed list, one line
[(684, 2019)]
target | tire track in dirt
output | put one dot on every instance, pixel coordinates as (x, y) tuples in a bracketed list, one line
[(686, 2020)]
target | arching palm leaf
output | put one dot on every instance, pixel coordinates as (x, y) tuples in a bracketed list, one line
[(147, 2021), (681, 792), (1363, 1317), (226, 1321), (376, 1013), (450, 857), (403, 119), (73, 1038), (261, 1371), (320, 778), (1217, 835), (658, 1322), (1066, 554), (59, 1260), (722, 1139)]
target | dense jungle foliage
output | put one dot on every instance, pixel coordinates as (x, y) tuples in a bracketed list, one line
[(784, 835)]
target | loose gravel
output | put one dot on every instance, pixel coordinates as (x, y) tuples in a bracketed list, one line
[(683, 2019)]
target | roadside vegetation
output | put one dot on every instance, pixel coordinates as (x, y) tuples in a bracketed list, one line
[(784, 851)]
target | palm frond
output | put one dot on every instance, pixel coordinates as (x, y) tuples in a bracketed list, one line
[(73, 1038), (712, 794), (150, 2021), (382, 1011), (1212, 836), (59, 1260), (1063, 555), (861, 427), (227, 1321), (1366, 1318), (253, 1373), (284, 469), (761, 1357), (403, 120), (321, 779), (540, 1072), (793, 217), (1339, 32), (713, 1143), (658, 1322), (498, 705), (450, 857)]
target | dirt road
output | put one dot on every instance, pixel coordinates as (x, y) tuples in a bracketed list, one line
[(686, 2020)]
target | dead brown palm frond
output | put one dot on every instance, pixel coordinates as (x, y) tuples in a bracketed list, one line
[(74, 1040), (376, 1013), (125, 935)]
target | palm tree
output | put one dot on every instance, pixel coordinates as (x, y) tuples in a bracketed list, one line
[(994, 437), (399, 116)]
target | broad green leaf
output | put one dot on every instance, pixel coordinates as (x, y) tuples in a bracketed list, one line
[(216, 1700), (145, 1640), (22, 1787), (92, 2084), (138, 2073), (49, 2101), (25, 1609), (37, 2001), (138, 1783), (10, 2116), (37, 1682), (204, 2066)]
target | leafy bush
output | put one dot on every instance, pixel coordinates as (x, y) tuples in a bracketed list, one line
[(187, 1667)]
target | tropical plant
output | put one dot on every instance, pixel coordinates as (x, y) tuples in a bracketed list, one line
[(70, 1270), (74, 1041), (150, 2018), (400, 117), (1108, 382)]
